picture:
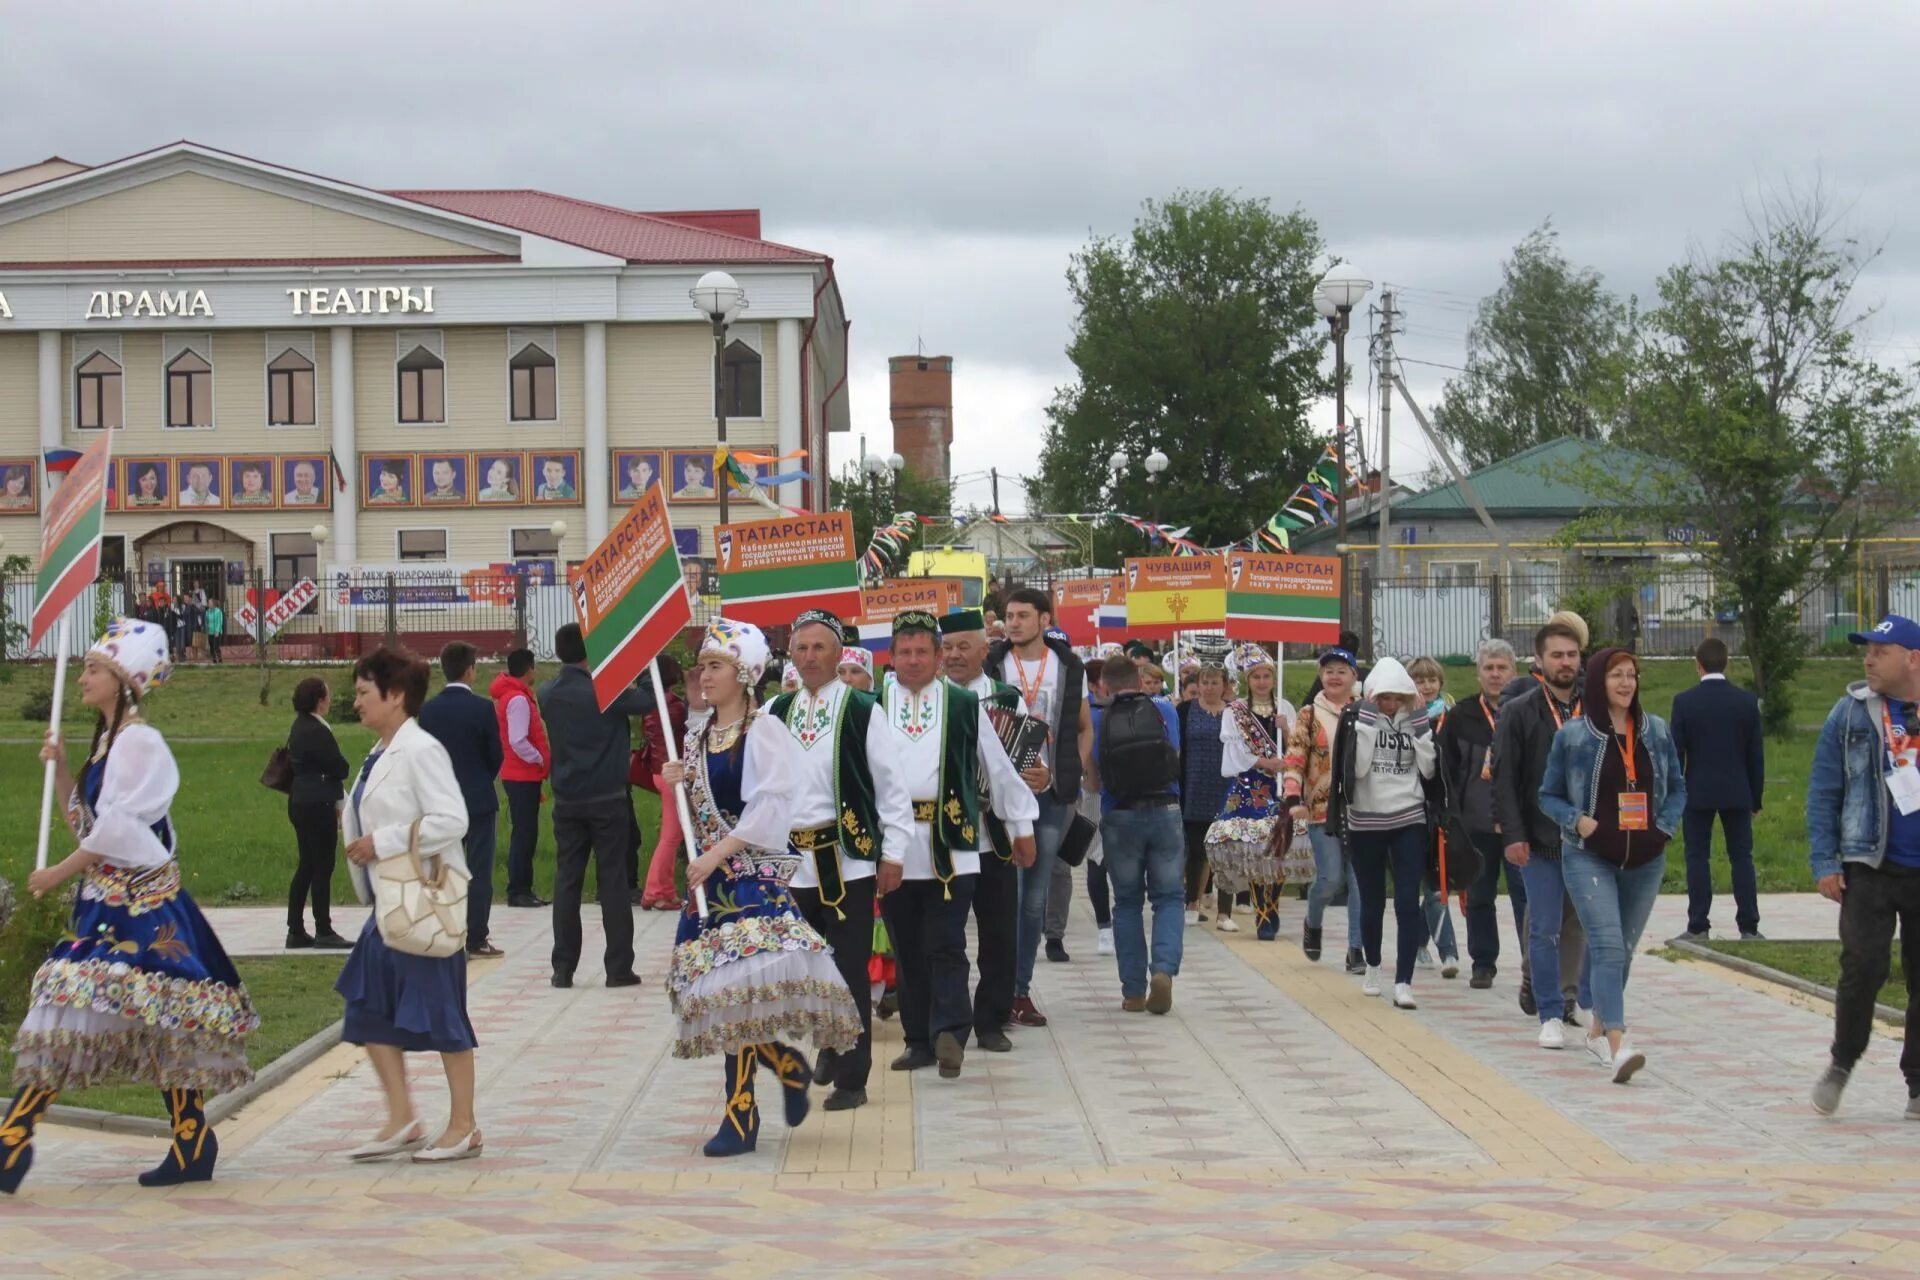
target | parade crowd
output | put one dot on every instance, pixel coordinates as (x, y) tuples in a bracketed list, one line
[(841, 832)]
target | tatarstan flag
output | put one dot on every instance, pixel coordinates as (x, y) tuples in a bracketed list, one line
[(631, 596), (1280, 597), (70, 537), (771, 570)]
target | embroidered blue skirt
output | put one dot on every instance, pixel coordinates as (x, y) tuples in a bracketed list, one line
[(140, 991), (415, 1003), (753, 971)]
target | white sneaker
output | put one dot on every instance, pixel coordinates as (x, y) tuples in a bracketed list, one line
[(1424, 959), (1450, 967), (1193, 918), (1626, 1062), (1599, 1048), (1551, 1035), (1370, 985), (1105, 945), (1226, 925), (1403, 996)]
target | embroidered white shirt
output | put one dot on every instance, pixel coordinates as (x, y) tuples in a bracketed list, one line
[(919, 754), (815, 761)]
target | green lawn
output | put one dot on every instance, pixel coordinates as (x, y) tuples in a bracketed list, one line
[(294, 996), (1815, 961), (236, 845)]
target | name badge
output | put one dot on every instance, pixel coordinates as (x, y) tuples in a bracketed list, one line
[(1633, 811), (1903, 784)]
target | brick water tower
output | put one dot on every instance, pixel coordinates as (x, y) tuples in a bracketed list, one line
[(921, 405)]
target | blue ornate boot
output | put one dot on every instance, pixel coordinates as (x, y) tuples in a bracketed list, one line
[(16, 1134), (795, 1077), (194, 1149), (740, 1126), (1266, 911)]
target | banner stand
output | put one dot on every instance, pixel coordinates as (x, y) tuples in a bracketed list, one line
[(680, 790), (63, 632)]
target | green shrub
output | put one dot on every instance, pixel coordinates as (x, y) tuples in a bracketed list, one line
[(37, 707), (36, 925)]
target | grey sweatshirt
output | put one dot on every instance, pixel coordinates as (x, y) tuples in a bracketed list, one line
[(1390, 757)]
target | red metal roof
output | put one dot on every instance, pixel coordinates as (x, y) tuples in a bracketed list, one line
[(637, 237)]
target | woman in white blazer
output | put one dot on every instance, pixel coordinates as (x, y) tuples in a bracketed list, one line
[(398, 1002)]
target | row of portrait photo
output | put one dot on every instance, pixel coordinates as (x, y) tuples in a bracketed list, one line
[(239, 482), (492, 478)]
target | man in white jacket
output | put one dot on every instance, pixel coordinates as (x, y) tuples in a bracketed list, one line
[(1393, 755)]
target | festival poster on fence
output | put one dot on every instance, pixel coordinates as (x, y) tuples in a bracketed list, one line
[(1279, 597), (1077, 603), (770, 570), (1166, 594), (881, 604), (631, 596)]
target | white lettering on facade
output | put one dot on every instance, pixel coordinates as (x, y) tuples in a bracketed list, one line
[(117, 304), (97, 307), (6, 312), (202, 305), (363, 301), (388, 294)]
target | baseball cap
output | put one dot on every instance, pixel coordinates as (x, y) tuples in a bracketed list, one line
[(1893, 629), (1340, 655)]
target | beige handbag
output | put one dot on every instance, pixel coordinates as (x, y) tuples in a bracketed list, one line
[(419, 912)]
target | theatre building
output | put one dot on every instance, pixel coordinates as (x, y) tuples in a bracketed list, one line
[(312, 379)]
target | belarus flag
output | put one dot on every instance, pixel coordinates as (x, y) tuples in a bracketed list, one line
[(877, 639)]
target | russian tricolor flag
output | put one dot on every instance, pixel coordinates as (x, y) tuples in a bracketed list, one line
[(1110, 620), (60, 461), (877, 639)]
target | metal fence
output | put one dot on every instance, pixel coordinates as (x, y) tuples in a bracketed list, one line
[(496, 611), (1660, 612)]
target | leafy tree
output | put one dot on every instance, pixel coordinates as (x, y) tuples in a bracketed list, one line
[(1547, 357), (1196, 336), (1791, 443), (874, 502)]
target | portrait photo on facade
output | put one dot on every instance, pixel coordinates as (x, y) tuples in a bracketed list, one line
[(250, 482), (198, 483), (302, 482), (499, 475), (634, 472), (148, 486), (443, 479), (556, 477), (389, 480), (692, 475), (18, 494)]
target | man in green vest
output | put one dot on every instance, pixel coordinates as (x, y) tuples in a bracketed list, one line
[(852, 825), (947, 749), (996, 894)]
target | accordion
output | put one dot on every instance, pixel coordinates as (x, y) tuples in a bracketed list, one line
[(1024, 736)]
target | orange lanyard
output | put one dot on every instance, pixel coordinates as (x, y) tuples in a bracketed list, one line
[(1896, 739), (1633, 772), (1030, 693), (1554, 707)]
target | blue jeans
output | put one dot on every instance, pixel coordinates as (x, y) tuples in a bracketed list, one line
[(1546, 890), (1614, 906), (1146, 856), (1331, 869), (1048, 830), (1440, 925)]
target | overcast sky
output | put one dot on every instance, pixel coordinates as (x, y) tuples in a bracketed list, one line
[(950, 158)]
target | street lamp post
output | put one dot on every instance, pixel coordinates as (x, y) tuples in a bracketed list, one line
[(1156, 463), (1338, 293), (719, 297)]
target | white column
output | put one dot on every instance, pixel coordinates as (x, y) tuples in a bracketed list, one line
[(345, 548), (593, 466), (51, 382), (787, 374)]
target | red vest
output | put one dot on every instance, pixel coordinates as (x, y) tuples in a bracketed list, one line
[(512, 768)]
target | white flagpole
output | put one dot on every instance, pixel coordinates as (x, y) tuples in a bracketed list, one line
[(679, 790), (62, 632)]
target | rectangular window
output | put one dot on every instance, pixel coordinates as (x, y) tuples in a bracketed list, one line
[(113, 559), (1533, 588), (295, 556), (189, 391), (535, 544), (423, 544), (290, 390), (1453, 573), (96, 395), (423, 387), (740, 381), (530, 377)]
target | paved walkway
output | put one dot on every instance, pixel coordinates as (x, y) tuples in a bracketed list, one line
[(1276, 1122)]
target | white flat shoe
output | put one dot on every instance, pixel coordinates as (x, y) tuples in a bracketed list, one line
[(465, 1149), (1226, 925), (408, 1139)]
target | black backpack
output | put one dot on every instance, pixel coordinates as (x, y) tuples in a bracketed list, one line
[(1136, 760)]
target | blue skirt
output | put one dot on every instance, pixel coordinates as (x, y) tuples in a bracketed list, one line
[(410, 1002)]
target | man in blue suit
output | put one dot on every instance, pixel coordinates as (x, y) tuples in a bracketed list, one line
[(468, 727), (1716, 729)]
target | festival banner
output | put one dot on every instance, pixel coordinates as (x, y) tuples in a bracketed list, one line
[(1077, 603), (70, 538), (770, 570), (1283, 597), (631, 596), (1166, 594), (891, 597), (281, 609)]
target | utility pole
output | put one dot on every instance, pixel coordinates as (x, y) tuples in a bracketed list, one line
[(1385, 522), (999, 546)]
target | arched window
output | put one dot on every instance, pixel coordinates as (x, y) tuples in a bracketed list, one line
[(531, 373), (97, 400), (740, 381), (189, 391), (290, 390), (423, 387)]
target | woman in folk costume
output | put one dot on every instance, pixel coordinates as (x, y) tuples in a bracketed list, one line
[(749, 975), (140, 990), (1239, 844)]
